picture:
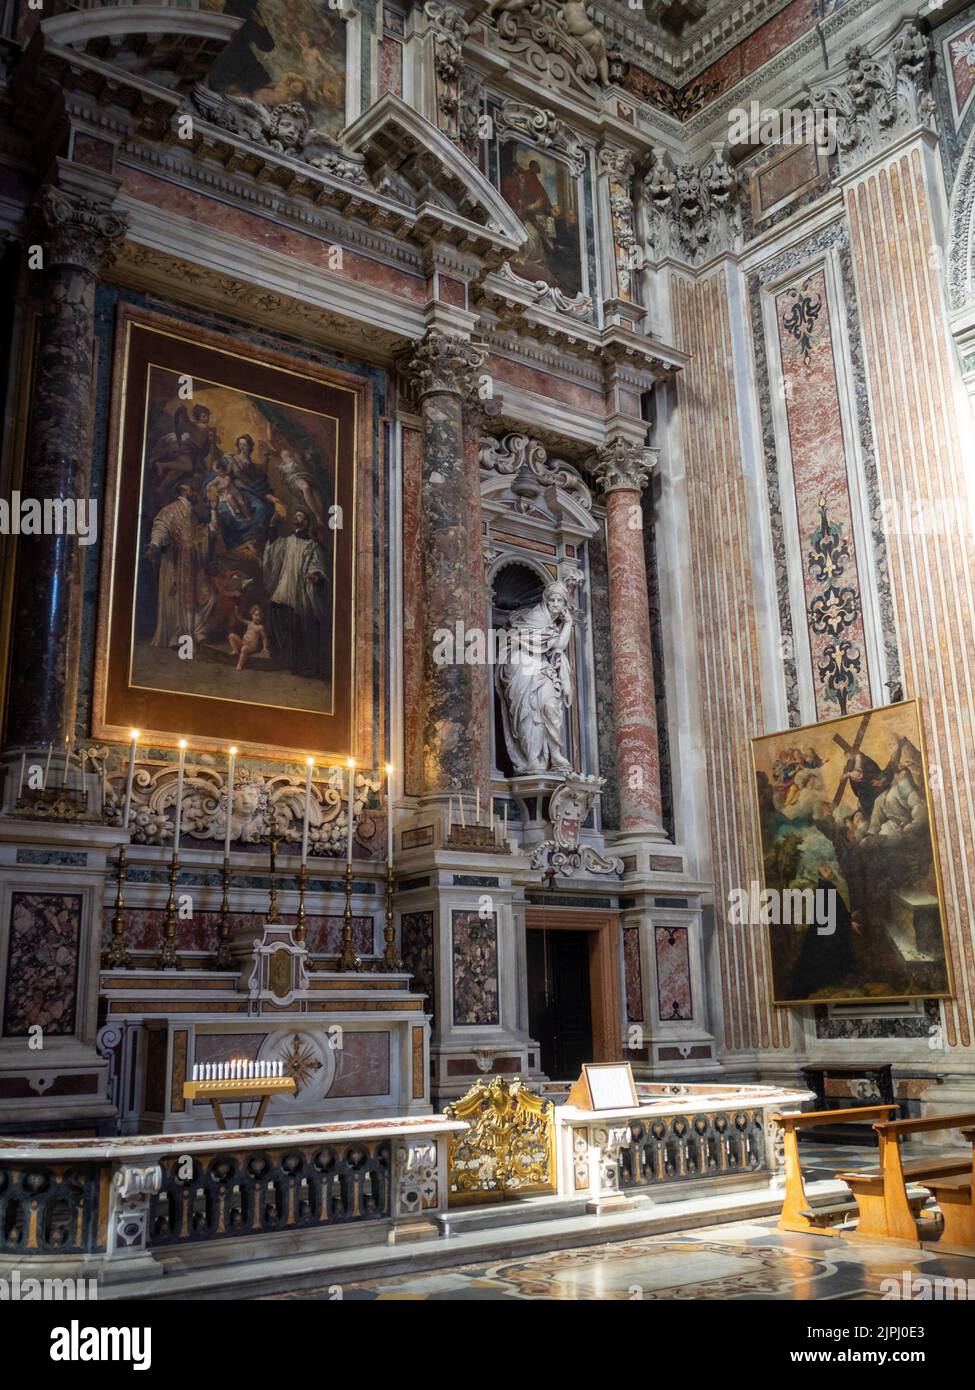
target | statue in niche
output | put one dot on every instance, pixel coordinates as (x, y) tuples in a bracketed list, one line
[(535, 682)]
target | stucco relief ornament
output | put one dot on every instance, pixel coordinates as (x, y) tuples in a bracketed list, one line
[(544, 129), (623, 466), (692, 207), (548, 296), (558, 42), (284, 129), (568, 810), (879, 96), (450, 30), (515, 451), (78, 230)]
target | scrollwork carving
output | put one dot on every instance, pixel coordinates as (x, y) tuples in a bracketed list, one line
[(513, 451), (543, 128)]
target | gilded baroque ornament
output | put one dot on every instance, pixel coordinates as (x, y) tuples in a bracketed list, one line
[(284, 129), (79, 230), (443, 362), (623, 466), (509, 1147), (514, 452), (693, 210), (880, 96), (564, 854)]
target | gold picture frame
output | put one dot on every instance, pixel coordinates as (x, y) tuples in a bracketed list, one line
[(865, 829)]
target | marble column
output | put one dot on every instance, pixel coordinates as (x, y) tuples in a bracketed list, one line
[(78, 233), (453, 695), (622, 470)]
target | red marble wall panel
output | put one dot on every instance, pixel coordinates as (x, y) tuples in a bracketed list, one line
[(265, 232), (673, 974), (633, 974), (831, 584), (42, 964), (545, 384), (412, 656)]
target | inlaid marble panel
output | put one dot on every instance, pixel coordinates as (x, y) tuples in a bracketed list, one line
[(42, 964), (673, 974), (475, 957)]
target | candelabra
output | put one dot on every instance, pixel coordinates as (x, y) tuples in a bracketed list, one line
[(224, 961), (117, 954), (301, 931), (272, 838), (168, 958), (391, 957), (348, 960)]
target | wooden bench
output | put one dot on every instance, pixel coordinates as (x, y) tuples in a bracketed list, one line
[(797, 1214), (887, 1211), (956, 1198)]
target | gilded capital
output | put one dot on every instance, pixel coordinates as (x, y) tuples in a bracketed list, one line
[(442, 362), (79, 230), (623, 466)]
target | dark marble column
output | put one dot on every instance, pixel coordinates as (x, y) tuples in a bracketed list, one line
[(622, 469), (454, 696), (78, 234)]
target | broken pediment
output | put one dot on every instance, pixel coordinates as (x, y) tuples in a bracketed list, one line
[(407, 156)]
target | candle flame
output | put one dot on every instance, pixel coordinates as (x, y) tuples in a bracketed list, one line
[(133, 734), (182, 743), (233, 752), (389, 769), (350, 762), (309, 762)]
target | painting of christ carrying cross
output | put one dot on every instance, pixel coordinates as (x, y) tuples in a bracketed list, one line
[(844, 814)]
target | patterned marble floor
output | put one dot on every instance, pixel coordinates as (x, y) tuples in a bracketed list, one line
[(745, 1260)]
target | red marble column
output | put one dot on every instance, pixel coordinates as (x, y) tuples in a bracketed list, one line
[(622, 469), (79, 234), (452, 697)]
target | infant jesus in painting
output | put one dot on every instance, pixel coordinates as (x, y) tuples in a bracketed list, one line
[(253, 640)]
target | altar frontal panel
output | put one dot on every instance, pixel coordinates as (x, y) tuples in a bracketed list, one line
[(844, 805), (231, 608)]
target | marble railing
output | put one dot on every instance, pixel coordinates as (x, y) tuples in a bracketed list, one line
[(86, 1201), (676, 1137)]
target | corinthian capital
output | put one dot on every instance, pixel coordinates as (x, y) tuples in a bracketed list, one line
[(442, 362), (623, 466), (79, 230)]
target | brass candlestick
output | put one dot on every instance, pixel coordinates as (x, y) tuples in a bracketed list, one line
[(117, 955), (272, 839), (168, 959), (301, 931), (224, 961), (391, 957), (348, 960)]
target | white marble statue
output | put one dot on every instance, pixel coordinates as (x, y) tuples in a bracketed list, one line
[(535, 683)]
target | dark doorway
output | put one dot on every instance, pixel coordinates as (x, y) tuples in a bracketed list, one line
[(559, 1004)]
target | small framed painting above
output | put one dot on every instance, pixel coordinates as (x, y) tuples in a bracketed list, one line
[(851, 896), (233, 608)]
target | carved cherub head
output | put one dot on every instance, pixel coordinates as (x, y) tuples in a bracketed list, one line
[(288, 127)]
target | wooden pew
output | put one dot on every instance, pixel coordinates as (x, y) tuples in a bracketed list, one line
[(797, 1214), (956, 1198), (886, 1210)]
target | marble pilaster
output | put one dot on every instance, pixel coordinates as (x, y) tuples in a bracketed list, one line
[(78, 234), (622, 470), (453, 696)]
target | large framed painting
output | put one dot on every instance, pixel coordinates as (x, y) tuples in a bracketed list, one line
[(233, 608), (851, 896), (286, 52), (545, 192)]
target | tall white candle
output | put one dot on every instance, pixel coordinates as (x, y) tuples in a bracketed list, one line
[(463, 823), (389, 813), (450, 815), (133, 740), (23, 769), (230, 801), (477, 805), (47, 765), (179, 793), (348, 848), (67, 759), (304, 829), (504, 832)]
